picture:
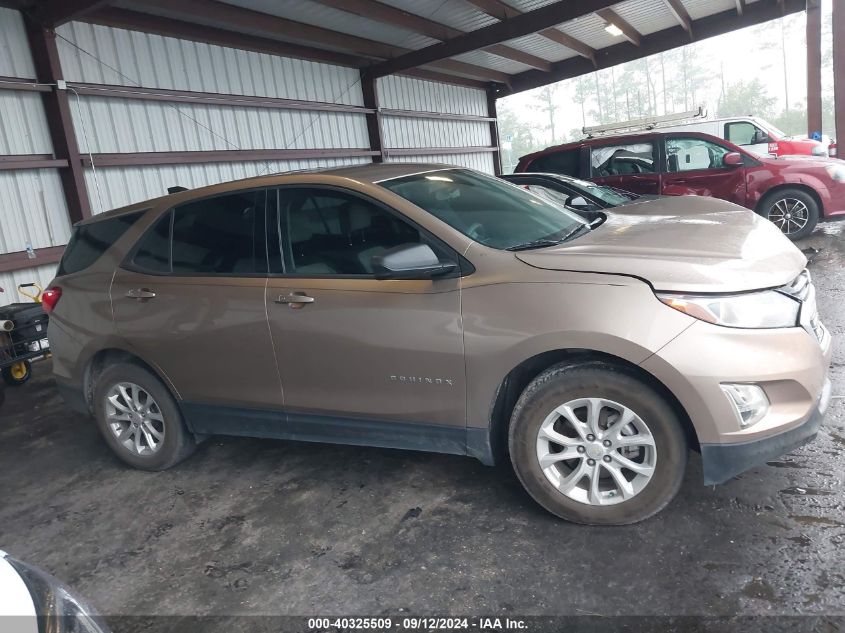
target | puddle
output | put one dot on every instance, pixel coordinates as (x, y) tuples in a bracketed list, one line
[(811, 492), (801, 540), (785, 465), (811, 520), (838, 438), (760, 590)]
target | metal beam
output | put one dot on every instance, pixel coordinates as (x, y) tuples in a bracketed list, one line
[(16, 83), (436, 151), (52, 13), (219, 156), (20, 260), (661, 41), (386, 14), (611, 17), (525, 24), (814, 68), (494, 131), (839, 68), (570, 42), (676, 7), (501, 11), (30, 161), (48, 69), (369, 89), (209, 98), (247, 21)]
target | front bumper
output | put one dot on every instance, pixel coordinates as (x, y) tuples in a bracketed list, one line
[(723, 461)]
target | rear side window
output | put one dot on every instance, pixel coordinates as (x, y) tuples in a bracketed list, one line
[(223, 235), (90, 241), (566, 162), (622, 159)]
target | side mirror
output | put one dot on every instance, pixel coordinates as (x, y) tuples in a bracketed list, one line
[(410, 261), (732, 159), (578, 201), (759, 137)]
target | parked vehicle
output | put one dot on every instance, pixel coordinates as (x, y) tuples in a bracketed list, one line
[(582, 196), (23, 336), (434, 308), (753, 134), (33, 601), (794, 193)]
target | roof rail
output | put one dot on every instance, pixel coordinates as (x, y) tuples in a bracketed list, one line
[(644, 123)]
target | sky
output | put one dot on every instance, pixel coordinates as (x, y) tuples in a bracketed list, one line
[(741, 57)]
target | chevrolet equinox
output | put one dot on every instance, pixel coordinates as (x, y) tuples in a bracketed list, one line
[(435, 308)]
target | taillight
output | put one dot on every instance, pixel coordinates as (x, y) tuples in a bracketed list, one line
[(50, 297), (831, 150), (773, 148)]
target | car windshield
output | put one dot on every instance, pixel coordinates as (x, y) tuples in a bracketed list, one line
[(607, 195), (486, 209)]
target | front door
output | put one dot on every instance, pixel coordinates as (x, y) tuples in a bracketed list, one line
[(695, 166), (191, 302), (359, 356)]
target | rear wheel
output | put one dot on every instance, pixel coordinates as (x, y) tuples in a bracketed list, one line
[(592, 443), (139, 419), (18, 373), (793, 211)]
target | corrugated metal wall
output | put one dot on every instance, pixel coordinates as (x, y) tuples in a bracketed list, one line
[(406, 93), (32, 204), (32, 207)]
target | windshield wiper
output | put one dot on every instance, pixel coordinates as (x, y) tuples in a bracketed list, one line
[(534, 244), (545, 241)]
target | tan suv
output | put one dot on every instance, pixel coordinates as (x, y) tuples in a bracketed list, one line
[(435, 308)]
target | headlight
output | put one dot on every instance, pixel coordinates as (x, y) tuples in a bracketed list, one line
[(837, 172), (766, 309)]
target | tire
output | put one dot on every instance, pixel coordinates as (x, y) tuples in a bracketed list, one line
[(175, 445), (778, 207), (2, 395), (13, 378), (655, 421)]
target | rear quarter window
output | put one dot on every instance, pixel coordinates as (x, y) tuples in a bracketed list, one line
[(566, 162), (90, 241)]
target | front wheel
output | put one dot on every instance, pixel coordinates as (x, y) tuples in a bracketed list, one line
[(793, 211), (592, 443)]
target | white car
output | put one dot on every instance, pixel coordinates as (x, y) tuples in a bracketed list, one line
[(30, 597)]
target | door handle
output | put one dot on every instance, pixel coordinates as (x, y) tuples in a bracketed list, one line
[(140, 293), (295, 299)]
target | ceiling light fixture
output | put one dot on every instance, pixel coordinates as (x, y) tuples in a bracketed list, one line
[(614, 30)]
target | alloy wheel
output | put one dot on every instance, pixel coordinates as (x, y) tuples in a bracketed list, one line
[(789, 215), (596, 451), (135, 418)]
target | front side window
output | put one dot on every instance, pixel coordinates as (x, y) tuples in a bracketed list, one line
[(566, 162), (325, 232), (742, 132), (622, 159), (223, 235), (689, 154), (485, 209)]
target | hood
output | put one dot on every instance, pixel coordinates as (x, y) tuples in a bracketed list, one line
[(681, 244)]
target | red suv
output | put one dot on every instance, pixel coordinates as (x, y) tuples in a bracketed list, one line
[(793, 192)]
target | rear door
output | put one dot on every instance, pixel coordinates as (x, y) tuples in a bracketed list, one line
[(190, 300), (694, 165), (626, 164)]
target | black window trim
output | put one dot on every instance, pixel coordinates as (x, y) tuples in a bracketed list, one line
[(463, 269), (129, 265)]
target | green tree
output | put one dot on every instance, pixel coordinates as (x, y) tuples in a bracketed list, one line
[(522, 134), (743, 98)]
